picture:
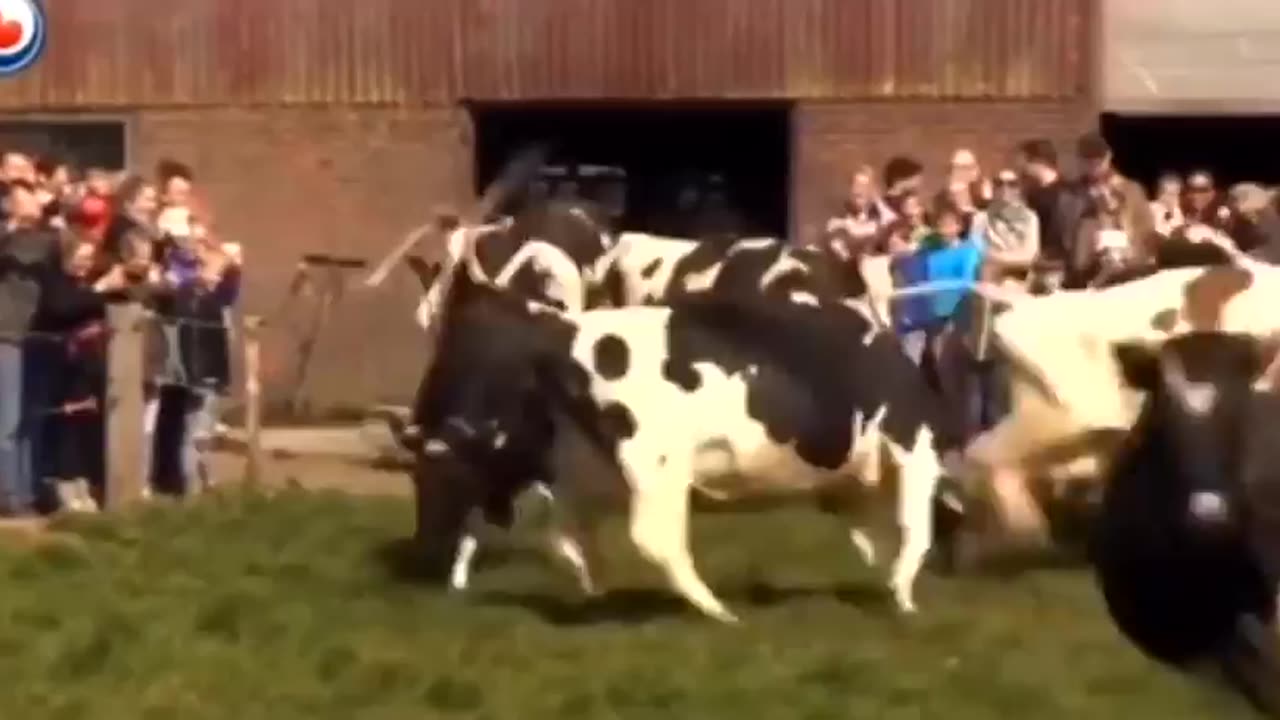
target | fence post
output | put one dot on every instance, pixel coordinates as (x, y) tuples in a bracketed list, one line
[(253, 399), (125, 442)]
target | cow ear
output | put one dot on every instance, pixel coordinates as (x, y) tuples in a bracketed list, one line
[(1139, 364)]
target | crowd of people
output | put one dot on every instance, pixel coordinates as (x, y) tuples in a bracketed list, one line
[(71, 243), (1029, 227)]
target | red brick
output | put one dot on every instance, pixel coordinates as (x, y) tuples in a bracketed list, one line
[(334, 180)]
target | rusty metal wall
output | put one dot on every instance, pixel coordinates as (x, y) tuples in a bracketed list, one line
[(801, 49), (117, 53), (113, 53)]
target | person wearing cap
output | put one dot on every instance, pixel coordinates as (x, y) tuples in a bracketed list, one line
[(1256, 226), (1101, 179)]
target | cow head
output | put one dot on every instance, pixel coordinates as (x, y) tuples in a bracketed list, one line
[(1200, 402)]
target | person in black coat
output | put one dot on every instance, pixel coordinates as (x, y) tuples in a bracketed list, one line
[(72, 315)]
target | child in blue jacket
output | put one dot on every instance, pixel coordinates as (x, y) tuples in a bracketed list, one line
[(945, 256)]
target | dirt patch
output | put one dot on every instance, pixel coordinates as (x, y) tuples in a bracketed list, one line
[(317, 473)]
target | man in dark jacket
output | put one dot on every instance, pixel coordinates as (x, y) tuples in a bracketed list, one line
[(1058, 204), (28, 254)]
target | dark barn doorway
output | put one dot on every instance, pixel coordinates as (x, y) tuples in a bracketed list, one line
[(660, 164), (1234, 148)]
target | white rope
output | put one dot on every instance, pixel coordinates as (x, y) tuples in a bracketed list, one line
[(989, 291)]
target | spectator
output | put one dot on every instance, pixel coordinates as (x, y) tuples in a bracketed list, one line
[(948, 256), (965, 170), (865, 215), (903, 176), (201, 366), (1202, 204), (136, 205), (175, 181), (28, 253), (1057, 205), (53, 182), (959, 195), (15, 165), (1101, 180), (1105, 247), (1166, 209), (1010, 232), (73, 306), (1256, 229), (98, 182), (54, 174), (912, 226)]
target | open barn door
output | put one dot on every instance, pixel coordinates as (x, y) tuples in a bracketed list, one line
[(672, 168)]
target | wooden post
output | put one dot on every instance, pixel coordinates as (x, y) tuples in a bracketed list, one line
[(253, 399), (126, 452)]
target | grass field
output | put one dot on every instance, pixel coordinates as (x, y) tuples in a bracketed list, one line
[(249, 607)]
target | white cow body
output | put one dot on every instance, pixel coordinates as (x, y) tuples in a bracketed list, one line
[(1069, 403)]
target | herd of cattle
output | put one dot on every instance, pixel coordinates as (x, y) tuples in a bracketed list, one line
[(628, 373)]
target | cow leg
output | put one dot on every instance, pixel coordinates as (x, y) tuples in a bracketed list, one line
[(468, 545), (919, 474), (574, 538), (460, 573), (849, 503), (863, 543), (659, 528)]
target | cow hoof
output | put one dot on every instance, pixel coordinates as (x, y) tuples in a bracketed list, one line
[(726, 618)]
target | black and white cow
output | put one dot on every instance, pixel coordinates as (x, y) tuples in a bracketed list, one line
[(545, 252), (557, 253), (644, 269), (632, 409), (1187, 550)]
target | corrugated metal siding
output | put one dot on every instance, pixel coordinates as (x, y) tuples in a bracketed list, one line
[(804, 49), (111, 53)]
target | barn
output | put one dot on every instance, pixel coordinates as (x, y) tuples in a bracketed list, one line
[(326, 126)]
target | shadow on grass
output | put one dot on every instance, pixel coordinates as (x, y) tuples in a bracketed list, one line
[(404, 563), (638, 606)]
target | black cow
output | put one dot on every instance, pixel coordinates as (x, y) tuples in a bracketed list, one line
[(1188, 539)]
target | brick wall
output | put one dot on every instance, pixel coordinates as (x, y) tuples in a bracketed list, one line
[(334, 180), (831, 139)]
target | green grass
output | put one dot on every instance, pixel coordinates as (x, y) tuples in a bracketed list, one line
[(250, 607)]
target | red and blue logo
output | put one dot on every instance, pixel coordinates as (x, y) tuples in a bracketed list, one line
[(23, 29)]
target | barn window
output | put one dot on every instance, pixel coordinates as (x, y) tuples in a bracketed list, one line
[(87, 143)]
